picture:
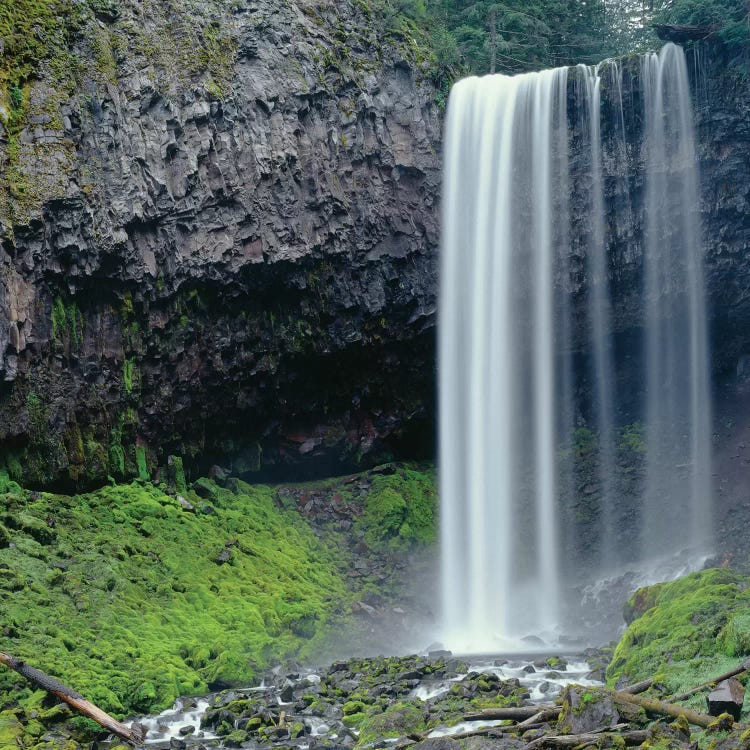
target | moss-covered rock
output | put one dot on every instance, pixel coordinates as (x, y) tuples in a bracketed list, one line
[(400, 510), (119, 594), (169, 621), (685, 631), (590, 709)]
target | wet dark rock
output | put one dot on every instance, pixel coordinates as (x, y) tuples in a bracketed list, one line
[(555, 662), (205, 489), (287, 694), (438, 653), (410, 675), (727, 697), (589, 709), (674, 736), (438, 743), (493, 743), (224, 556), (735, 740)]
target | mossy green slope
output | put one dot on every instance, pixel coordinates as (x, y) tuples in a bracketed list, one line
[(686, 631), (134, 600)]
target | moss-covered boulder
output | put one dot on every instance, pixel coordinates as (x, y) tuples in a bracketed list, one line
[(118, 593), (674, 736), (590, 709), (735, 740), (685, 631)]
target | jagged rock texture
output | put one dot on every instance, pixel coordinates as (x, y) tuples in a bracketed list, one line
[(221, 245), (218, 232)]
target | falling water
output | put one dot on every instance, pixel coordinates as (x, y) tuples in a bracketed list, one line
[(599, 312), (497, 354), (678, 402), (507, 333)]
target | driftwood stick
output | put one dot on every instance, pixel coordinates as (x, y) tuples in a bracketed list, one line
[(638, 687), (481, 732), (515, 713), (744, 667), (543, 716), (133, 736), (636, 737), (666, 709)]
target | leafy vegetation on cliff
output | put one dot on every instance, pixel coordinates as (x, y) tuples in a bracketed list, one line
[(134, 596), (511, 36), (729, 19), (514, 35)]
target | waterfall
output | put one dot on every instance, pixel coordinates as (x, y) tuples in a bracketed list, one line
[(678, 415), (498, 379), (510, 321), (599, 313)]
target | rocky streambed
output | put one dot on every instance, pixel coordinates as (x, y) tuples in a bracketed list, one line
[(373, 702)]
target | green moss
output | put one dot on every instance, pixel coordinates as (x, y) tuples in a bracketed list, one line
[(129, 372), (585, 442), (352, 707), (633, 438), (734, 639), (96, 463), (397, 720), (15, 470), (59, 317), (116, 453), (686, 631), (169, 620), (11, 729), (180, 483), (126, 308), (67, 321), (400, 510), (141, 463)]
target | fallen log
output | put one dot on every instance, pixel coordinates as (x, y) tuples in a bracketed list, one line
[(636, 737), (651, 705), (514, 713), (134, 736), (681, 33), (638, 687), (541, 717), (744, 667), (481, 732)]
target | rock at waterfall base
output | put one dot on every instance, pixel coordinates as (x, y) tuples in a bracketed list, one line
[(589, 709), (727, 697)]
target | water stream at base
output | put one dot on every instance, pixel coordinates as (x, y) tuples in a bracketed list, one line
[(168, 729)]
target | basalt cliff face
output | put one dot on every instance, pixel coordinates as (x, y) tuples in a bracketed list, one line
[(218, 231)]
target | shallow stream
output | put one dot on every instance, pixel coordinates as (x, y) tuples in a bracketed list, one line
[(185, 724)]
